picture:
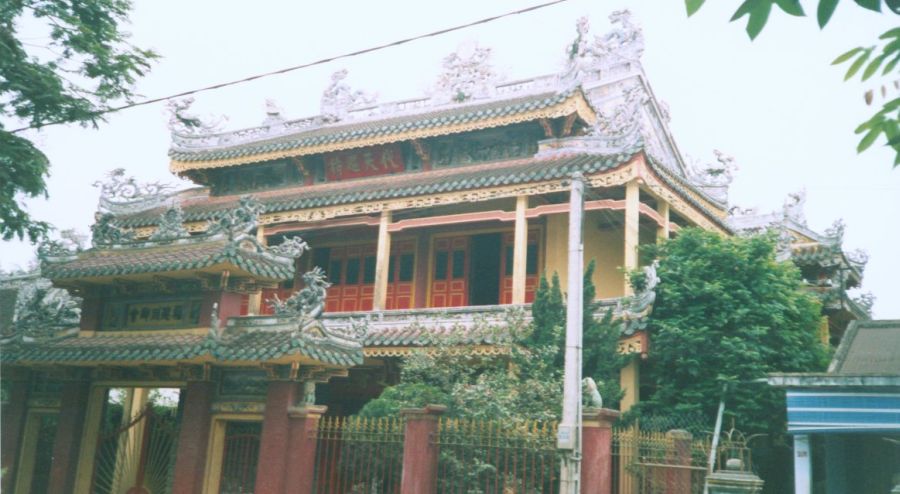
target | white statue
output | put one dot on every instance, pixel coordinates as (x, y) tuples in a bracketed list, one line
[(624, 43), (338, 99), (467, 74), (185, 123), (793, 206)]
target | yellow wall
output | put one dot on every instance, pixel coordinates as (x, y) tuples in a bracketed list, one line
[(603, 246), (606, 247), (556, 245)]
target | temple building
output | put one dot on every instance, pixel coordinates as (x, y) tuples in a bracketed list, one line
[(313, 253)]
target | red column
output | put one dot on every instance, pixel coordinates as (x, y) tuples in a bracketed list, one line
[(301, 454), (273, 444), (420, 453), (66, 445), (678, 480), (193, 438), (596, 438), (14, 414)]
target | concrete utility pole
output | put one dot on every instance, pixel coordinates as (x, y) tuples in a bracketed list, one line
[(569, 438)]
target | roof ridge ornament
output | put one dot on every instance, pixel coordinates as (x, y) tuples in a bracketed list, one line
[(306, 306), (467, 74), (171, 225), (338, 99), (834, 235), (70, 243), (106, 232), (714, 178), (624, 118), (273, 113), (793, 207), (622, 44), (239, 220), (42, 311), (293, 247), (119, 193), (184, 123)]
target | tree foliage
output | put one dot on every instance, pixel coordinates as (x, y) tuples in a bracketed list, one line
[(727, 312), (85, 64), (520, 385), (865, 61)]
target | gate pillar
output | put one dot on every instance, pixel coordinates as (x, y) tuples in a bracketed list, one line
[(678, 480), (72, 414), (301, 454), (596, 464), (14, 413), (193, 438), (420, 453), (274, 441)]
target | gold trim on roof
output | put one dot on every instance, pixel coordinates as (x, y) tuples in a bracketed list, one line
[(636, 168), (573, 104), (402, 351)]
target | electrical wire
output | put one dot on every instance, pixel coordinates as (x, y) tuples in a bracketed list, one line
[(306, 65)]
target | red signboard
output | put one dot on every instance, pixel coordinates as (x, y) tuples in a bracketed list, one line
[(364, 162)]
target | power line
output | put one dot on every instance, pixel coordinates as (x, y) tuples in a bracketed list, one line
[(309, 64)]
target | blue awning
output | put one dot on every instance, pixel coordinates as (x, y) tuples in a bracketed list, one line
[(842, 411)]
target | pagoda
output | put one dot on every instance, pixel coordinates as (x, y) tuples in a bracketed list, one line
[(415, 219)]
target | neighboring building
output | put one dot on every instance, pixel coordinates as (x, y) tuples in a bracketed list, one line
[(846, 422), (829, 271), (428, 216)]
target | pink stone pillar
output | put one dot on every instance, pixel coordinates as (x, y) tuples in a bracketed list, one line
[(420, 453), (193, 438), (301, 454), (678, 480), (596, 439), (66, 445), (274, 441), (14, 414)]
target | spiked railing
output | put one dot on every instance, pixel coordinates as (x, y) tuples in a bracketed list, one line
[(652, 461), (359, 455), (494, 457)]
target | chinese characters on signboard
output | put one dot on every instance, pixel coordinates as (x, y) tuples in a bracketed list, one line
[(155, 315), (365, 162)]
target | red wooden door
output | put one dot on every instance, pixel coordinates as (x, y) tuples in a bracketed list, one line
[(352, 273), (400, 276), (450, 276), (531, 268)]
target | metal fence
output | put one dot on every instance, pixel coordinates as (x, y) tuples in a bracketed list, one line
[(487, 457), (647, 462), (358, 455)]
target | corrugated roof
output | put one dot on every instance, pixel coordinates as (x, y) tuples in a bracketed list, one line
[(869, 347)]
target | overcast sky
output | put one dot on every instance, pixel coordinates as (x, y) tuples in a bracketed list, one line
[(775, 104)]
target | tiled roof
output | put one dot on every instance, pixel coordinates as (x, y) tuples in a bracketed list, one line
[(142, 258), (431, 122), (451, 179), (816, 254), (258, 346), (682, 186), (869, 347)]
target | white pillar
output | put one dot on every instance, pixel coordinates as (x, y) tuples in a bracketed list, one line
[(382, 261), (569, 432), (520, 251), (802, 465)]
